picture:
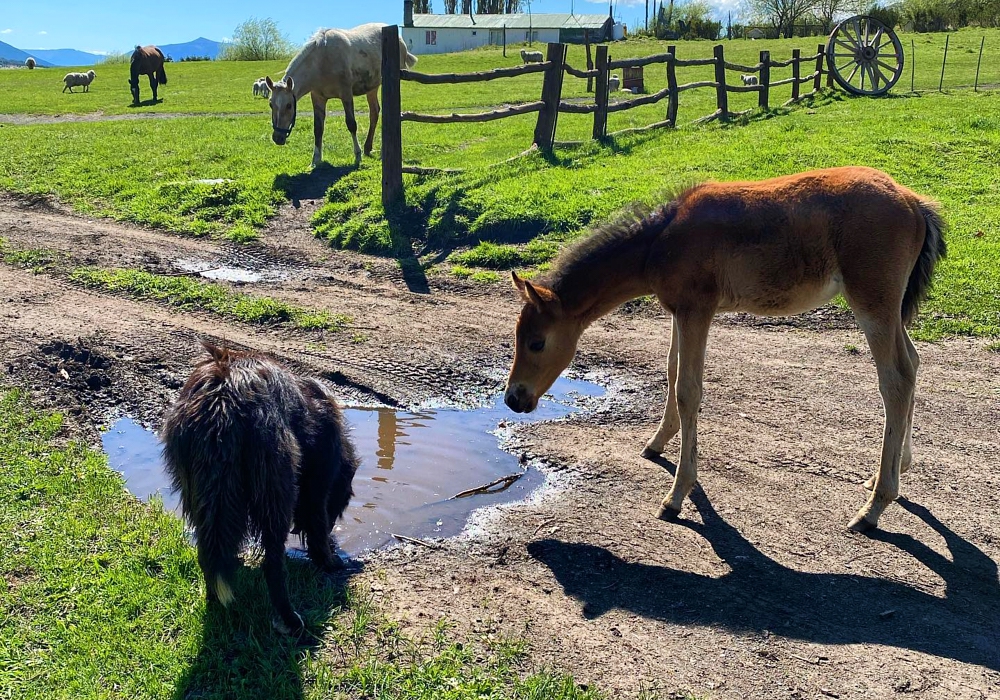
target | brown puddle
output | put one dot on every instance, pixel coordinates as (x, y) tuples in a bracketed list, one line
[(412, 464)]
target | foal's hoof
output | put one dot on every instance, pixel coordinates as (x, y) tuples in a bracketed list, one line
[(650, 453), (861, 525), (668, 514), (284, 628)]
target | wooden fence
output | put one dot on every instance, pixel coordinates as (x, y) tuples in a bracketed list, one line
[(550, 103)]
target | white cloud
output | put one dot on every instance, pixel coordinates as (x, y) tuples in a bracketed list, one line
[(43, 33), (6, 31)]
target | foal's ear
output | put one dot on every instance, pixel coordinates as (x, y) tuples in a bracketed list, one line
[(270, 83), (538, 297)]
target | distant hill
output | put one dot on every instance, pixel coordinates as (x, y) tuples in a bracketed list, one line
[(199, 47), (66, 57), (17, 56)]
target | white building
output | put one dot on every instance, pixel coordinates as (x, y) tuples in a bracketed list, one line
[(425, 34)]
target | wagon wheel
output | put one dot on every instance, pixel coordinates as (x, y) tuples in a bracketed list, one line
[(864, 56)]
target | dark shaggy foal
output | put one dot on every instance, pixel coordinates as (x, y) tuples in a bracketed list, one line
[(253, 450)]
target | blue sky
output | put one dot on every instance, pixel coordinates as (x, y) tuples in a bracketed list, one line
[(115, 25)]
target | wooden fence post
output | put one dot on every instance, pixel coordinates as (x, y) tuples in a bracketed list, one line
[(821, 54), (765, 79), (672, 86), (982, 44), (545, 128), (601, 94), (796, 57), (590, 59), (944, 62), (721, 95), (392, 125)]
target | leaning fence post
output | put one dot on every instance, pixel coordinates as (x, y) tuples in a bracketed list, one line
[(943, 62), (765, 79), (796, 57), (545, 128), (672, 86), (392, 128), (820, 54), (721, 94), (979, 62), (590, 60), (913, 63), (601, 94)]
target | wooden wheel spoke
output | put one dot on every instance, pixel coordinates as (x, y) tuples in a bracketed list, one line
[(853, 48), (878, 35), (871, 74), (892, 69), (853, 72)]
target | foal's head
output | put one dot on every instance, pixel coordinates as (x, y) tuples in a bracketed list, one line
[(283, 108), (544, 343)]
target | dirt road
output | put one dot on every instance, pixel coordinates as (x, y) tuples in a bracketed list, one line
[(759, 591)]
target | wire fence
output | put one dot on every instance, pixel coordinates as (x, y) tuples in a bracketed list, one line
[(961, 61)]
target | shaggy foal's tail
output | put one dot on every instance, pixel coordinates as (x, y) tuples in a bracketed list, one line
[(934, 249), (161, 75)]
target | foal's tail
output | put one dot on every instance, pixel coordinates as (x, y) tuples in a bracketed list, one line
[(161, 75), (934, 249)]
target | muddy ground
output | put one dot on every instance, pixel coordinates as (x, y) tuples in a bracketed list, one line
[(759, 590)]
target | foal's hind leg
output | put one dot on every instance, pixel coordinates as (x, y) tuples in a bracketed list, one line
[(896, 378), (373, 110), (692, 334), (314, 519), (152, 86), (907, 459), (671, 422)]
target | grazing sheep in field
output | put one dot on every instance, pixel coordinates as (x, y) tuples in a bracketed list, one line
[(83, 80), (532, 56), (614, 83), (749, 79), (260, 88), (30, 63)]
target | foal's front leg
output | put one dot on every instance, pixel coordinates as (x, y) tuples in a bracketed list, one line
[(373, 110), (352, 126), (152, 86), (692, 336), (319, 122), (671, 422)]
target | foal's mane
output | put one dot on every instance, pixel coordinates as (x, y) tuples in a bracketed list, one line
[(636, 224), (315, 41)]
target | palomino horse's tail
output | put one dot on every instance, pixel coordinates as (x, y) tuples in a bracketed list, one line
[(934, 249)]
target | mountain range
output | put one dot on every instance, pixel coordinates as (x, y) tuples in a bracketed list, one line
[(48, 58)]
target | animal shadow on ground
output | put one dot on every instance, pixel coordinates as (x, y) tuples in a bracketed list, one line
[(760, 594), (241, 654), (146, 103), (312, 184)]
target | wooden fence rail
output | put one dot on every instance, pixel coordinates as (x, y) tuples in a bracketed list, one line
[(550, 103)]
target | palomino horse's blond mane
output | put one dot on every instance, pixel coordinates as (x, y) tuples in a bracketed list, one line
[(775, 247), (333, 64)]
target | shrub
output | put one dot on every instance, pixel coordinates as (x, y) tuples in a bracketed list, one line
[(257, 40)]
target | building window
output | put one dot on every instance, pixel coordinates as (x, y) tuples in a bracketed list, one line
[(431, 38), (531, 36)]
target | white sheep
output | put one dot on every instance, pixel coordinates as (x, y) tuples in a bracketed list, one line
[(30, 63), (749, 79), (531, 56), (614, 83), (83, 80), (260, 88)]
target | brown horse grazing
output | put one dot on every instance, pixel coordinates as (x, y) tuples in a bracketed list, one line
[(775, 247), (146, 60), (334, 64)]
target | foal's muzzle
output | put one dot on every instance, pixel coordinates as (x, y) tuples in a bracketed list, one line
[(519, 400)]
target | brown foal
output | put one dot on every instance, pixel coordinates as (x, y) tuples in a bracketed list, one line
[(776, 247)]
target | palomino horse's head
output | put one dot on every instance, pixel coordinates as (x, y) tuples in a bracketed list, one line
[(283, 108), (544, 343)]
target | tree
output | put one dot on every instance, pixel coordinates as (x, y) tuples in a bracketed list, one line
[(498, 7), (257, 40), (450, 7), (422, 7), (781, 14), (466, 7)]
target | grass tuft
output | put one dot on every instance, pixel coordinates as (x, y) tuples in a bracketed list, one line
[(187, 293)]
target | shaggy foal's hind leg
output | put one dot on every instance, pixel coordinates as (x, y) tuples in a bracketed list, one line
[(315, 523), (671, 422), (152, 86), (890, 348), (692, 334)]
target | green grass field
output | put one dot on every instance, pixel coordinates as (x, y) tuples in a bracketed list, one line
[(100, 597)]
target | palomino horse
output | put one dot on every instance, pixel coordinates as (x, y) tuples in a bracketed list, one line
[(146, 60), (780, 246), (334, 63)]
